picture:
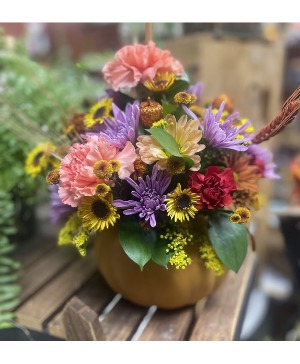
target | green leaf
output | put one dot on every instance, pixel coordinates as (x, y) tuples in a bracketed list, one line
[(228, 240), (6, 316), (136, 243), (178, 86), (165, 140), (188, 162), (168, 108), (10, 305), (6, 324), (159, 255)]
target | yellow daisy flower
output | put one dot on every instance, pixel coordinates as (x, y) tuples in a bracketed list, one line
[(97, 213), (181, 204), (37, 160), (161, 82), (98, 112)]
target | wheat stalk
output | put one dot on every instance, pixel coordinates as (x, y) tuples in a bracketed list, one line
[(289, 112)]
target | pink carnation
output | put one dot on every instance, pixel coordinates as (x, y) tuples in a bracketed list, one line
[(77, 178), (138, 62)]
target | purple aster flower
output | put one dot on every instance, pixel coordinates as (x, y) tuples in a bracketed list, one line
[(263, 158), (58, 210), (222, 134), (123, 128), (196, 89), (149, 196)]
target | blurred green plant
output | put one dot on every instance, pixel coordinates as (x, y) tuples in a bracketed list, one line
[(9, 268), (34, 100)]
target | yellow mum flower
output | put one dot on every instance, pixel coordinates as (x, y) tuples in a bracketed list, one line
[(187, 136), (97, 213), (244, 213), (235, 218), (102, 189), (103, 169), (181, 204), (98, 112), (185, 98)]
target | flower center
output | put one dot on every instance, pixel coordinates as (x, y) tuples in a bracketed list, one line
[(175, 165), (99, 112), (103, 169), (100, 209), (182, 202), (36, 159)]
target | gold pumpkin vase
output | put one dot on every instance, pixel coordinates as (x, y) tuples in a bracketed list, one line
[(154, 285)]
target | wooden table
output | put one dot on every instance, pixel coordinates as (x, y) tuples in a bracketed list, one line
[(53, 277)]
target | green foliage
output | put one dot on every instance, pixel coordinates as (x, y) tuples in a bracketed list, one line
[(33, 94), (34, 100), (228, 240), (9, 268), (168, 142), (141, 246)]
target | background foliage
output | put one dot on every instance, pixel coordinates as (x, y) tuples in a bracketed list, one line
[(34, 99)]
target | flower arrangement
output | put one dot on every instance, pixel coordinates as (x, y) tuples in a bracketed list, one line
[(153, 160)]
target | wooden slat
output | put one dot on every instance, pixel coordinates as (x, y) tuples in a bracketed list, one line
[(95, 293), (39, 273), (168, 325), (220, 317), (81, 322), (121, 322), (29, 252), (50, 298)]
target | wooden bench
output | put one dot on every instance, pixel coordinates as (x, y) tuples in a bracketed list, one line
[(65, 296)]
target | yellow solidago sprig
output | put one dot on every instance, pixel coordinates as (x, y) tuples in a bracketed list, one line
[(74, 233), (40, 158), (98, 112), (211, 261), (181, 204), (240, 216), (179, 257)]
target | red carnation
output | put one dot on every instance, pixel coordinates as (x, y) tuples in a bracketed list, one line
[(213, 187)]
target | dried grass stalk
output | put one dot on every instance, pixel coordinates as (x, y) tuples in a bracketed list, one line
[(289, 111)]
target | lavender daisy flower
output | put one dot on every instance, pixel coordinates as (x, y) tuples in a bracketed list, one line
[(149, 196), (196, 89), (124, 128), (58, 210), (222, 134), (264, 157)]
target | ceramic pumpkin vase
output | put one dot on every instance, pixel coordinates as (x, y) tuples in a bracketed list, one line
[(154, 285)]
